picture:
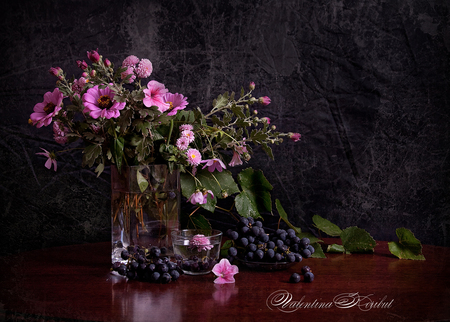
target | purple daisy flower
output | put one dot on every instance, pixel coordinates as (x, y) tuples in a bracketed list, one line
[(45, 111)]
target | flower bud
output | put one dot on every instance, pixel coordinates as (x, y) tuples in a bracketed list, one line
[(252, 86), (224, 194), (55, 71), (82, 64), (264, 100), (274, 127), (94, 56), (255, 112), (85, 75), (107, 62), (294, 136), (93, 73)]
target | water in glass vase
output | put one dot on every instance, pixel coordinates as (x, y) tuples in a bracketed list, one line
[(145, 218)]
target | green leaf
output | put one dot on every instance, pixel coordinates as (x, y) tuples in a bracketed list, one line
[(117, 151), (142, 182), (318, 251), (335, 248), (407, 247), (220, 101), (198, 221), (284, 216), (357, 240), (268, 150), (255, 196), (91, 153), (99, 169), (326, 226), (225, 247)]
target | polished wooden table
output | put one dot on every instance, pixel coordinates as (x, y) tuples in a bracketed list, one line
[(73, 283)]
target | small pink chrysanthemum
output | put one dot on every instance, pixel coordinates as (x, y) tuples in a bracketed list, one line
[(78, 85), (128, 71), (189, 135), (45, 111), (130, 61), (194, 157), (225, 272), (59, 132), (294, 136), (182, 143), (264, 100), (144, 68), (99, 102), (200, 242), (235, 160), (176, 101), (154, 96), (214, 164), (185, 127), (51, 159)]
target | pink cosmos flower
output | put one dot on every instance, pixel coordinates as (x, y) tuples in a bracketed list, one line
[(235, 160), (214, 164), (130, 61), (154, 96), (94, 56), (200, 197), (264, 100), (189, 135), (194, 157), (182, 143), (225, 272), (45, 111), (200, 242), (100, 103), (127, 72), (176, 102), (294, 136), (51, 159), (185, 127), (144, 68)]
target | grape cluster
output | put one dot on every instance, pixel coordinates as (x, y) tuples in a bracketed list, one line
[(195, 263), (252, 243), (307, 273), (149, 265)]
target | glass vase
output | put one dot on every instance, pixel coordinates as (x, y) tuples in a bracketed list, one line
[(145, 208)]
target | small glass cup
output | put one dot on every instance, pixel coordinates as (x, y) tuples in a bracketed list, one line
[(196, 251)]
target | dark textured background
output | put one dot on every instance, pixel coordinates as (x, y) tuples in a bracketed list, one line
[(365, 82)]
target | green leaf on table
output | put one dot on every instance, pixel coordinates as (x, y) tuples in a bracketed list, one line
[(407, 247), (117, 151), (318, 251), (255, 195), (357, 240), (335, 248), (326, 226)]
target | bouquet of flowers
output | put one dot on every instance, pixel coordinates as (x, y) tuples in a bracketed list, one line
[(124, 120)]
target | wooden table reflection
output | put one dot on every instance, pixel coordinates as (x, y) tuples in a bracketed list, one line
[(74, 283)]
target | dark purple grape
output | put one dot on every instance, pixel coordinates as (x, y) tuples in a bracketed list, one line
[(306, 269), (311, 249), (155, 277), (174, 274), (295, 278), (304, 242), (165, 278), (125, 254), (309, 277), (232, 251), (306, 253)]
